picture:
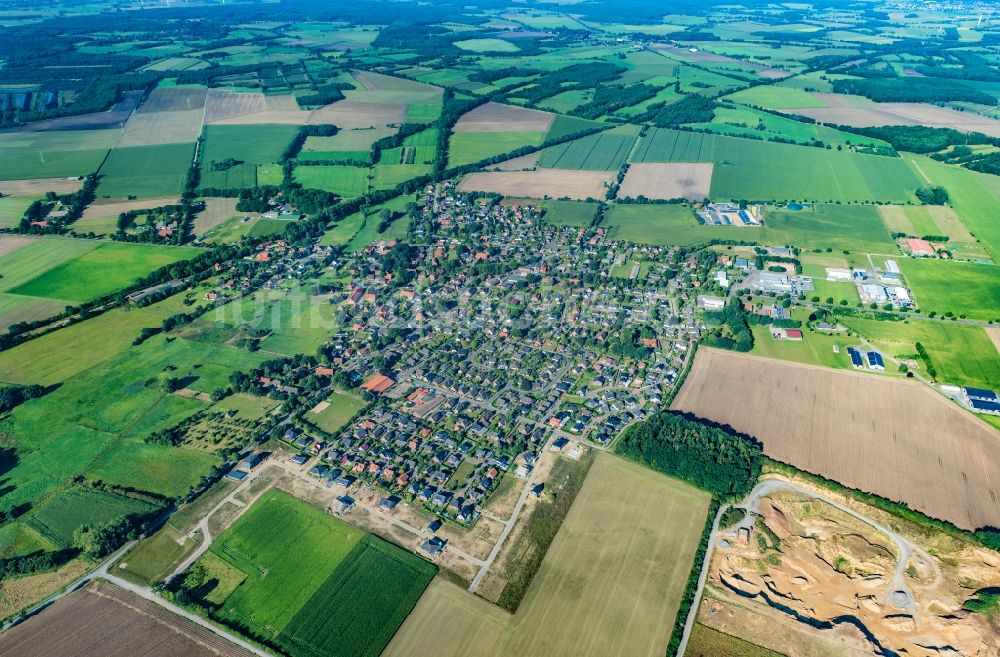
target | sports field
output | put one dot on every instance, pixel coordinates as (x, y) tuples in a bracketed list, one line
[(862, 430), (760, 170), (965, 289), (145, 171), (342, 407), (102, 270), (610, 583), (312, 583)]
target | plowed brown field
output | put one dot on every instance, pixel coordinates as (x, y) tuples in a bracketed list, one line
[(892, 437)]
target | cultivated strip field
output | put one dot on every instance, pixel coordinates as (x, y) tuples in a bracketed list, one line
[(843, 112), (894, 438), (40, 186), (495, 117), (667, 181), (994, 334), (610, 583), (555, 183), (103, 619), (350, 114)]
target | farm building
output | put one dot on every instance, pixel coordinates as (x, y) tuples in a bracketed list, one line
[(785, 333), (728, 214), (875, 361), (920, 248), (982, 401), (838, 274), (855, 355)]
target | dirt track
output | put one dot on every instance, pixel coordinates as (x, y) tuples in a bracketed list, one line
[(892, 437)]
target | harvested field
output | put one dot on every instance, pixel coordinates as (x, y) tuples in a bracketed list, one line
[(11, 243), (351, 114), (38, 186), (154, 128), (112, 210), (103, 619), (667, 181), (843, 112), (372, 81), (217, 210), (113, 118), (494, 117), (610, 583), (525, 162), (174, 99), (705, 57), (994, 334), (894, 438), (229, 108), (553, 183)]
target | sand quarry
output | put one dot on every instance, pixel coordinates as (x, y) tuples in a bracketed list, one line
[(812, 581)]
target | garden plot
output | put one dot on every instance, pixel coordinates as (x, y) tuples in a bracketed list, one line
[(667, 181)]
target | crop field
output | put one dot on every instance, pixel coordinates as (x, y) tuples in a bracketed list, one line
[(604, 151), (359, 114), (468, 147), (248, 145), (881, 114), (155, 128), (358, 141), (569, 213), (54, 357), (314, 583), (12, 209), (35, 187), (495, 117), (24, 258), (60, 515), (706, 642), (341, 180), (416, 149), (487, 45), (974, 197), (542, 183), (102, 270), (15, 308), (667, 181), (145, 171), (962, 288), (961, 354), (610, 583), (850, 227), (57, 154), (776, 97), (342, 407), (760, 170), (864, 431), (226, 107), (104, 619)]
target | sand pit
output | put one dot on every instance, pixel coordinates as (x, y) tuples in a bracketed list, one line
[(542, 183), (893, 437), (667, 181), (494, 117)]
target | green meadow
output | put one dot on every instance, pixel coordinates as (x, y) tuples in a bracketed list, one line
[(962, 288), (145, 171)]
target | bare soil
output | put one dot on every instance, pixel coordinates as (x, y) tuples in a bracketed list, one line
[(552, 183), (892, 437), (667, 181), (495, 117), (843, 111), (351, 114), (36, 186), (103, 619)]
